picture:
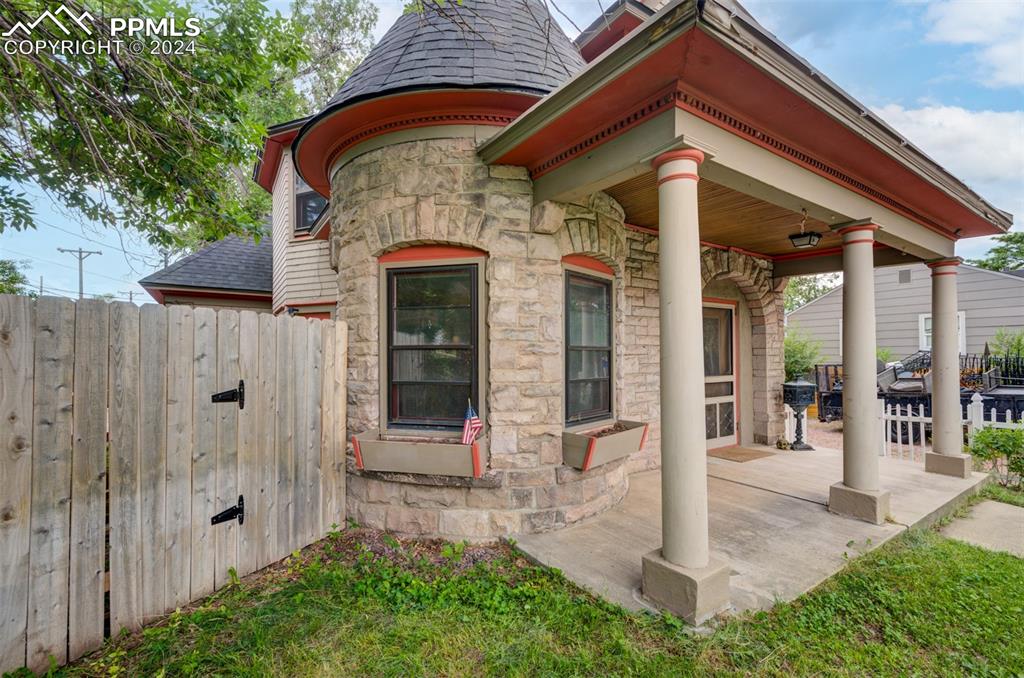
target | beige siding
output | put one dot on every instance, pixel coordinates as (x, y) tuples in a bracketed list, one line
[(211, 302), (302, 271), (989, 301)]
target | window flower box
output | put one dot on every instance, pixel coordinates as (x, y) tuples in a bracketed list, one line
[(428, 457), (586, 449)]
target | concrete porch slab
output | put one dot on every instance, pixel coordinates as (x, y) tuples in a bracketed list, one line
[(768, 520)]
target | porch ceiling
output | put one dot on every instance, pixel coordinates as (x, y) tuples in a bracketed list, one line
[(727, 217)]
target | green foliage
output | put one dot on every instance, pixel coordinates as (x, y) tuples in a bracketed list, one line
[(891, 612), (1006, 255), (1007, 342), (804, 288), (12, 279), (883, 354), (147, 141), (801, 353), (1002, 452)]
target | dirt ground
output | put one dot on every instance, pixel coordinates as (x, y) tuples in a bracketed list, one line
[(830, 435)]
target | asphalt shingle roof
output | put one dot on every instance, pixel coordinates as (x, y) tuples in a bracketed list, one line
[(233, 263), (505, 44)]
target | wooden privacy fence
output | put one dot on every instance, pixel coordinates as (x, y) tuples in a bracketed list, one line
[(113, 460)]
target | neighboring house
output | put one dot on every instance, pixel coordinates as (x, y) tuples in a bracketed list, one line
[(988, 300), (230, 273), (544, 228)]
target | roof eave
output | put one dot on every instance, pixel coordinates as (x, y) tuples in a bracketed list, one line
[(598, 25), (755, 45)]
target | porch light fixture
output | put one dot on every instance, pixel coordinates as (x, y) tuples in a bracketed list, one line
[(804, 239)]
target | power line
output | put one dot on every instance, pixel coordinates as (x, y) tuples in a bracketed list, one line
[(96, 242), (82, 256), (68, 266)]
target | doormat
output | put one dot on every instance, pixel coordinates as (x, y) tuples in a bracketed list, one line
[(739, 454)]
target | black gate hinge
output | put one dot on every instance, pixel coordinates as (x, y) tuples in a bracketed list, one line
[(235, 395), (237, 511)]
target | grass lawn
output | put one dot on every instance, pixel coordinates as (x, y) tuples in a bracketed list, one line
[(362, 603), (1006, 495)]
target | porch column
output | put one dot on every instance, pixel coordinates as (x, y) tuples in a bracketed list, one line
[(682, 576), (947, 455), (859, 495)]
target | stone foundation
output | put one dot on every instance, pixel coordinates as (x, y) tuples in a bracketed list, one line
[(436, 191)]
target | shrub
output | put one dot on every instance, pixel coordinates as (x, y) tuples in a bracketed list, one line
[(1001, 450), (884, 354), (1007, 342), (801, 354)]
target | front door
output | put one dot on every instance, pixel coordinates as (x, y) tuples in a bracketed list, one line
[(720, 409)]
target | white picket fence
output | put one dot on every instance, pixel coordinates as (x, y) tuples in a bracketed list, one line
[(911, 423)]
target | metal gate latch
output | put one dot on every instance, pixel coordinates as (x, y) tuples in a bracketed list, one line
[(235, 395), (231, 513)]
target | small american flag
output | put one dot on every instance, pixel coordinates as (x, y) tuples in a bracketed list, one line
[(471, 426)]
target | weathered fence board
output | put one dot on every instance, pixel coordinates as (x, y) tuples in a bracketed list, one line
[(153, 447), (125, 493), (88, 477), (113, 460), (50, 551), (16, 360), (226, 534), (283, 445), (204, 451), (248, 442), (267, 451), (178, 515)]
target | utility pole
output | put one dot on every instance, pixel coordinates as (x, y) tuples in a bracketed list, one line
[(82, 256), (131, 296), (40, 285)]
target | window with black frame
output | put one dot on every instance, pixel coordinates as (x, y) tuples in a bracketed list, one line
[(308, 206), (432, 345), (588, 349)]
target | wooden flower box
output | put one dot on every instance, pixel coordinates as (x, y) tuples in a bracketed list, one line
[(428, 457), (586, 449)]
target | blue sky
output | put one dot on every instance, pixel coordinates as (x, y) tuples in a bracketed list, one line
[(949, 74)]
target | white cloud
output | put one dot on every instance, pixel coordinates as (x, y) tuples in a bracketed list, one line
[(984, 149), (995, 28)]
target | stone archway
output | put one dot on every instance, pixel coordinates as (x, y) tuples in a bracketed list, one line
[(753, 276)]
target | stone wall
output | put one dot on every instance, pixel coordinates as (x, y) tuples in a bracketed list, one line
[(436, 191)]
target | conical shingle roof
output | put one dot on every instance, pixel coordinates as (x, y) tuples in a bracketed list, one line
[(510, 45)]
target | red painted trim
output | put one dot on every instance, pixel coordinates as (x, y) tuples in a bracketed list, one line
[(681, 154), (304, 304), (583, 261), (643, 438), (678, 175), (860, 227), (955, 261), (357, 452), (735, 360), (590, 454), (477, 471), (936, 274), (160, 293), (613, 31), (429, 253), (325, 139), (749, 253), (319, 315), (808, 254), (641, 229), (273, 149), (859, 241)]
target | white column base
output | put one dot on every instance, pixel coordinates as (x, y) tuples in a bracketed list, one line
[(956, 465), (693, 594), (871, 506)]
